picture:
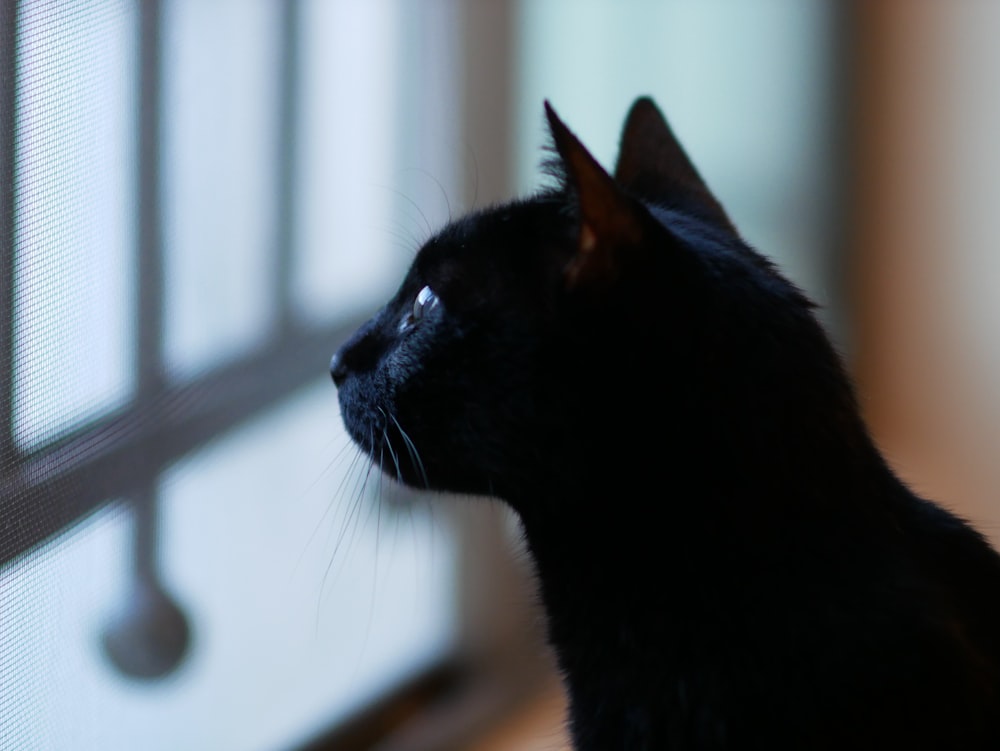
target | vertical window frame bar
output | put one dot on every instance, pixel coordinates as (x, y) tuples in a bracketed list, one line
[(149, 269), (287, 164), (8, 226), (148, 281)]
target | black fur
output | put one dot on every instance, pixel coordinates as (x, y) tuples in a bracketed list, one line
[(725, 559)]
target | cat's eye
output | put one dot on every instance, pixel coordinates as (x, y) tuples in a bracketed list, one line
[(424, 302)]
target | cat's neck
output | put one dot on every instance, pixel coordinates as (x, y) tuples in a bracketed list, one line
[(673, 580)]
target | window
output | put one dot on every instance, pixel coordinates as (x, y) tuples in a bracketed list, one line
[(201, 206)]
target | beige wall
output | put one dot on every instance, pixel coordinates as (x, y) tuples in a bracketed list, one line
[(926, 268)]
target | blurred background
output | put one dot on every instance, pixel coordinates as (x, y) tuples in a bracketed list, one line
[(199, 199)]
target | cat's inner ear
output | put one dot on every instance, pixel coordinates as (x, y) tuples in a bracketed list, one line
[(609, 220), (653, 165)]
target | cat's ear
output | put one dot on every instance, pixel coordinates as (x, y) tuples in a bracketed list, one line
[(609, 219), (652, 164)]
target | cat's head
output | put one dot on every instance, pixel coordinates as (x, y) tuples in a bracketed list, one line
[(612, 318)]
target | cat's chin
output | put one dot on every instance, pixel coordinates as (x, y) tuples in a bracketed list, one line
[(408, 468), (389, 449), (391, 452)]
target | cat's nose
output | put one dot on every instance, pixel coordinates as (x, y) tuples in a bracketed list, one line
[(338, 371)]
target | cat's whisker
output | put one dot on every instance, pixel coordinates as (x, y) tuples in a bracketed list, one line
[(357, 460), (338, 493), (441, 190), (346, 449), (380, 475), (359, 503), (378, 504), (388, 444), (393, 456), (444, 193), (353, 509), (329, 506), (350, 521), (341, 453), (412, 450), (357, 475), (378, 515), (403, 238), (409, 201)]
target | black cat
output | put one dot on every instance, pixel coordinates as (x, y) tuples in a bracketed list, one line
[(725, 558)]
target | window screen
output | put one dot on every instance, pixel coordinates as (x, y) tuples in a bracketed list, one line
[(196, 209)]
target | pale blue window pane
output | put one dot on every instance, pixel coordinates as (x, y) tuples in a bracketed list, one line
[(291, 632), (745, 86), (220, 117), (75, 183), (347, 156), (53, 602)]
